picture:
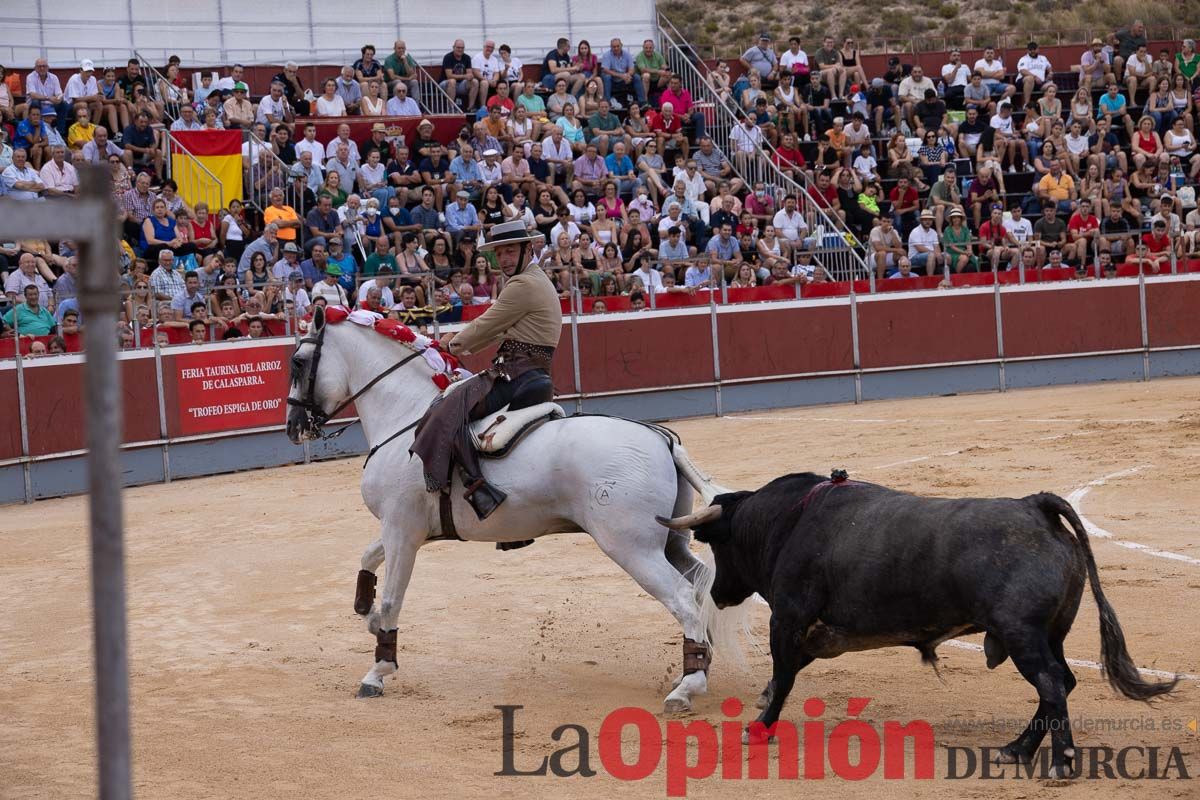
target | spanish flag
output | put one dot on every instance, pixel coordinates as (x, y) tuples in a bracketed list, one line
[(207, 165)]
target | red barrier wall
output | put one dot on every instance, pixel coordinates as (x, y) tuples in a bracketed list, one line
[(785, 341), (1071, 320), (929, 330), (1171, 318), (237, 386)]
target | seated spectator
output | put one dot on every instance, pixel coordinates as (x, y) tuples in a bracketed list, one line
[(347, 88), (401, 67), (459, 79), (1095, 66), (20, 180), (330, 103), (401, 105), (31, 318), (33, 135), (59, 175), (924, 245), (617, 72), (1032, 71)]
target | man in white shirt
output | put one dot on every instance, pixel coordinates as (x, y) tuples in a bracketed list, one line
[(309, 144), (912, 91), (343, 137), (1018, 226), (81, 88), (924, 245), (955, 75), (693, 181), (747, 138), (556, 151), (400, 104), (651, 278), (274, 108), (251, 149), (992, 70), (793, 55), (488, 68), (564, 225), (59, 175), (1032, 71), (21, 181), (789, 223)]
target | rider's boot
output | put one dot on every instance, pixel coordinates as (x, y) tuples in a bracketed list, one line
[(483, 497)]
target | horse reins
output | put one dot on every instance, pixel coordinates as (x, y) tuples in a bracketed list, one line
[(317, 416)]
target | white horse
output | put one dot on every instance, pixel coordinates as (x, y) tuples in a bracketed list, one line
[(604, 476)]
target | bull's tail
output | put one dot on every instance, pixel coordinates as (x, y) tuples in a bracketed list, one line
[(699, 481), (1119, 668)]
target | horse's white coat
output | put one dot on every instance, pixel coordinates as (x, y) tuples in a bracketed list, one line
[(606, 477)]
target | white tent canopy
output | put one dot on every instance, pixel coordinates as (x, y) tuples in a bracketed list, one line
[(217, 32)]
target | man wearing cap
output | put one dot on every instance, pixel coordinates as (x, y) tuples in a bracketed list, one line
[(1095, 66), (239, 111), (424, 141), (290, 262), (1032, 70), (924, 245), (295, 292), (82, 90), (329, 288), (461, 217), (526, 318)]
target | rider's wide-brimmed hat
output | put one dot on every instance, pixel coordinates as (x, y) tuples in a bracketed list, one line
[(513, 232)]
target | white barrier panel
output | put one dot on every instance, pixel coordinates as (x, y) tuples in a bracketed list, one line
[(210, 32)]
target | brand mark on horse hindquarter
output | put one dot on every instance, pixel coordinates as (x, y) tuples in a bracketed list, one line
[(603, 494)]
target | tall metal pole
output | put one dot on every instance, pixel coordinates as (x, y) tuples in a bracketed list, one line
[(98, 301)]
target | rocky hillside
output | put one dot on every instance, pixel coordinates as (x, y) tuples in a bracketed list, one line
[(729, 27)]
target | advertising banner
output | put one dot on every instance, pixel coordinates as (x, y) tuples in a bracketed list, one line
[(229, 389)]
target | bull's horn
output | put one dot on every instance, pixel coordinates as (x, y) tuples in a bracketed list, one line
[(701, 517)]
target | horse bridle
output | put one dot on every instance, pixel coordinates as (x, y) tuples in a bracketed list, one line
[(315, 416)]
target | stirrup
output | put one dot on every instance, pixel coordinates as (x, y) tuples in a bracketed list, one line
[(483, 497)]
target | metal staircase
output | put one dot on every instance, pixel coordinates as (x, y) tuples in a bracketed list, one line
[(834, 249)]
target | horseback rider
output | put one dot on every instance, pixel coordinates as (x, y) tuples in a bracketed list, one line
[(526, 318)]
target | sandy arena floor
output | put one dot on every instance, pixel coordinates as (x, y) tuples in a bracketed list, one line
[(246, 654)]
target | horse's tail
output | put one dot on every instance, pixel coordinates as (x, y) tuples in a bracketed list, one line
[(726, 629), (702, 483)]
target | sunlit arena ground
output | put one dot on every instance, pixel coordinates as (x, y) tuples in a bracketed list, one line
[(245, 653)]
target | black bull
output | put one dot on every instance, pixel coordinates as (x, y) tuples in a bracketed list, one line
[(851, 566)]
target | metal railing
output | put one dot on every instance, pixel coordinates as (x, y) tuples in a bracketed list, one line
[(196, 183), (759, 165), (153, 79), (265, 174), (432, 96)]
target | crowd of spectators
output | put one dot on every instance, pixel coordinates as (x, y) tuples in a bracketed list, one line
[(612, 160)]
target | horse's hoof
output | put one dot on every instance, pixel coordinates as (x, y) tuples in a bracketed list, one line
[(367, 690), (675, 705)]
